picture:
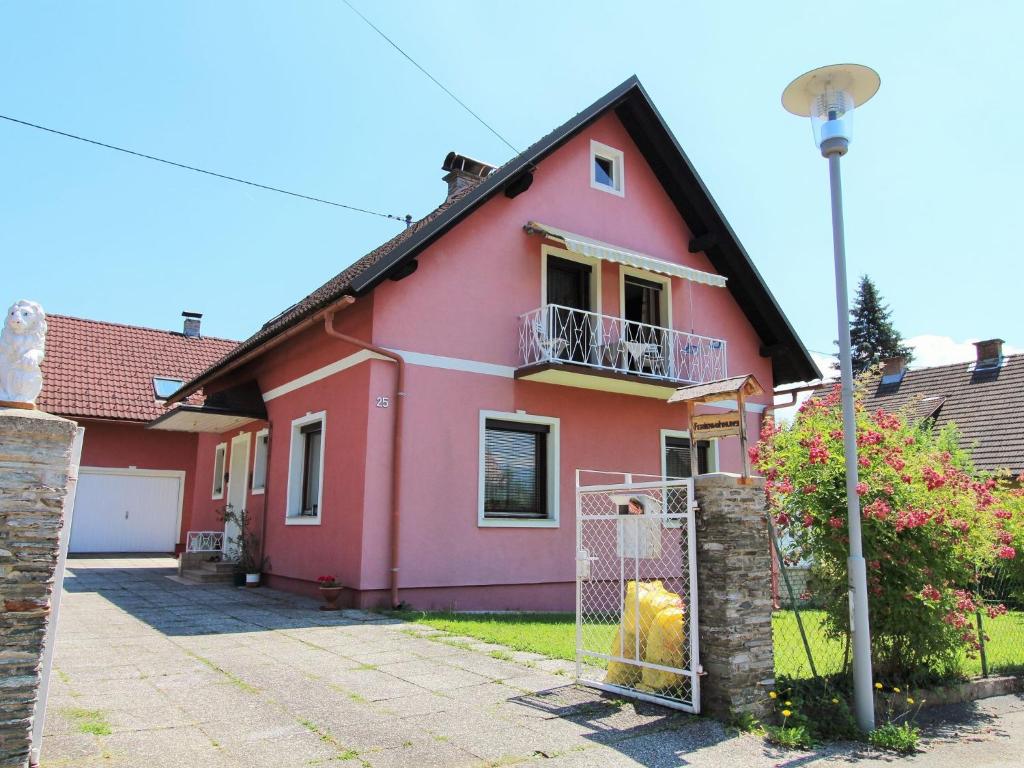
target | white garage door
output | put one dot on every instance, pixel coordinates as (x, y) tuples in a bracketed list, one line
[(133, 511)]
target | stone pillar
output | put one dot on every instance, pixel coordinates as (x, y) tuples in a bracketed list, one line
[(734, 590), (35, 460)]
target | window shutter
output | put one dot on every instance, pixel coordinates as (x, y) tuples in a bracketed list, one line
[(515, 470)]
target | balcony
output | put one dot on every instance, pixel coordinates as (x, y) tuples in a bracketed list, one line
[(561, 345)]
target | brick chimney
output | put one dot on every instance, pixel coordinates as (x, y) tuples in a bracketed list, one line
[(990, 353), (893, 369), (192, 322), (463, 172)]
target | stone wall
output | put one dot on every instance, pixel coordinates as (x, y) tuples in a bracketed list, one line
[(35, 456), (734, 590)]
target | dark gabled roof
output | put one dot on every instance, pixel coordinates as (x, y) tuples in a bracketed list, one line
[(987, 406), (633, 106)]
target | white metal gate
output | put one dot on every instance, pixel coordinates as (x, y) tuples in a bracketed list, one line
[(636, 587)]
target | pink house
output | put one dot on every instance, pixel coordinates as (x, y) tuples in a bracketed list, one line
[(426, 409)]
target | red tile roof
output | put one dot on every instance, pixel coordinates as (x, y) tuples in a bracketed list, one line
[(105, 370)]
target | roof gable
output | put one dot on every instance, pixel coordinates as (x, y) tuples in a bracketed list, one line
[(712, 235)]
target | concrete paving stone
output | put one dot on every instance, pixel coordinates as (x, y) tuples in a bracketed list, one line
[(421, 753), (447, 679), (502, 744), (148, 716), (535, 682), (374, 685), (421, 705), (407, 668), (429, 649), (553, 666), (483, 695), (68, 747), (495, 669), (165, 748)]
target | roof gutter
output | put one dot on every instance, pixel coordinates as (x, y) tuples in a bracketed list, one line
[(216, 371), (396, 439)]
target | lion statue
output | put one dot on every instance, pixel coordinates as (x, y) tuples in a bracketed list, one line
[(22, 341)]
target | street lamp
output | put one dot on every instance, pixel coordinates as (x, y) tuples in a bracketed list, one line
[(828, 96)]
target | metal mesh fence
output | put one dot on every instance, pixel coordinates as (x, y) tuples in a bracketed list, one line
[(805, 647), (636, 630), (1001, 634)]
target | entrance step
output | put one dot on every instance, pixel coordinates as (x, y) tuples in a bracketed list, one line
[(204, 576), (218, 567)]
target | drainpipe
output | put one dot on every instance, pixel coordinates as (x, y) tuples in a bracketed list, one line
[(396, 441)]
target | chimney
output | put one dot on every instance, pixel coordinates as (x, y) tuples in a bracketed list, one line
[(463, 172), (990, 353), (192, 322), (893, 369)]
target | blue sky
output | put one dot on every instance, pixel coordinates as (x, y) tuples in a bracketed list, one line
[(305, 96)]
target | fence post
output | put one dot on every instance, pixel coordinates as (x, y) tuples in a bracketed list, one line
[(35, 465), (734, 593), (981, 642)]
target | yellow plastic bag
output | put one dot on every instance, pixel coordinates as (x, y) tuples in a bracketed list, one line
[(664, 647), (636, 596), (621, 673)]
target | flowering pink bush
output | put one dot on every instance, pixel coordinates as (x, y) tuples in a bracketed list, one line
[(931, 527)]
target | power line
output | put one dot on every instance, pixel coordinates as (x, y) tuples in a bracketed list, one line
[(201, 170), (433, 79)]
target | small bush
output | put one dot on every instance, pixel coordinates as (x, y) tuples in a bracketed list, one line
[(791, 737), (899, 738)]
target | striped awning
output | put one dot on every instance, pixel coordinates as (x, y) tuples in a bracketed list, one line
[(586, 246)]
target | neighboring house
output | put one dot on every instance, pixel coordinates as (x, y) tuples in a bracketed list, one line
[(135, 487), (538, 320), (984, 398)]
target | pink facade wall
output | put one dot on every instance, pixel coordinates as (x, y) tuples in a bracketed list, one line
[(463, 302), (123, 444)]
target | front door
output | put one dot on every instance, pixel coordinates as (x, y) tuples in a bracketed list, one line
[(238, 490), (569, 288), (642, 309)]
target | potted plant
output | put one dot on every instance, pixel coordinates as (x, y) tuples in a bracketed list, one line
[(245, 548), (330, 591)]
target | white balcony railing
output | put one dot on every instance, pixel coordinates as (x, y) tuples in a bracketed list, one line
[(557, 334)]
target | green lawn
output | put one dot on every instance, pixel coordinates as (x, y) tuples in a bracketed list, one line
[(554, 635)]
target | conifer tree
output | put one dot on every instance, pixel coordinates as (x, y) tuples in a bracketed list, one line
[(872, 336)]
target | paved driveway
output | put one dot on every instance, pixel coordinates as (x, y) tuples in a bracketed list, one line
[(150, 672)]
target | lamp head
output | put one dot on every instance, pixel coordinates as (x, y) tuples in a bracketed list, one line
[(828, 95)]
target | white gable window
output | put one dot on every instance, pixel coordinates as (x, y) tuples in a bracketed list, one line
[(259, 462), (606, 169), (306, 470), (219, 459)]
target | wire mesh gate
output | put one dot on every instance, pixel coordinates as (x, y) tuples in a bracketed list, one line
[(636, 587)]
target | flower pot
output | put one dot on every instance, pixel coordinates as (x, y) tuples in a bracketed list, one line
[(252, 579), (238, 579), (330, 596)]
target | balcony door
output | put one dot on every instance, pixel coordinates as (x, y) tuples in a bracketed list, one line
[(641, 307), (568, 285)]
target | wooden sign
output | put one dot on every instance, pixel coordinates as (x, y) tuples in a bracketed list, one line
[(706, 426)]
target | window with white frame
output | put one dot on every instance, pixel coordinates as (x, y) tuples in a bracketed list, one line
[(219, 460), (518, 470), (306, 470), (606, 169), (259, 461)]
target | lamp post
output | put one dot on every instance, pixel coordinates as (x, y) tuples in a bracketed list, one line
[(828, 96)]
